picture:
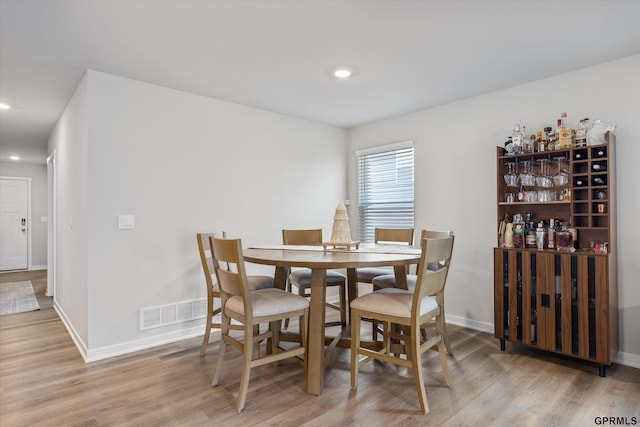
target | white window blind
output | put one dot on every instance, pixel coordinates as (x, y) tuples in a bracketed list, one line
[(385, 189)]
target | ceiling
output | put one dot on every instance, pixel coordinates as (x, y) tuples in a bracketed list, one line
[(279, 55)]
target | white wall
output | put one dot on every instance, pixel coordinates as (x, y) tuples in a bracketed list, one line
[(70, 139), (455, 176), (183, 164), (38, 229)]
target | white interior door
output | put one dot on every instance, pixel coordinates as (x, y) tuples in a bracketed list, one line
[(14, 233)]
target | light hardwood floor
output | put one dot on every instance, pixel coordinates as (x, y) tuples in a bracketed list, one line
[(44, 381)]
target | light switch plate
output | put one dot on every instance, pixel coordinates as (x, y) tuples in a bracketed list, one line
[(125, 222)]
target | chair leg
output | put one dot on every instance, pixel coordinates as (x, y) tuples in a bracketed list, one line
[(443, 327), (207, 331), (304, 330), (246, 367), (274, 327), (287, 287), (355, 345), (224, 330), (343, 305), (413, 349), (441, 345), (256, 348), (443, 362)]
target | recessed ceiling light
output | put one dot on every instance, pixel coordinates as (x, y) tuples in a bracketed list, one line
[(342, 73), (14, 157), (4, 106)]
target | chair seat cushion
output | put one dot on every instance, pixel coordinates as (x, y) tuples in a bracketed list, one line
[(366, 275), (389, 281), (302, 278), (260, 282), (393, 302), (268, 302), (255, 282)]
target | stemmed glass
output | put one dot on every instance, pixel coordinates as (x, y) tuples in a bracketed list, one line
[(561, 178), (527, 177), (544, 180), (511, 178)]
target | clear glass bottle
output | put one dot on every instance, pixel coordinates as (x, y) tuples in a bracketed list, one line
[(540, 142), (551, 138), (551, 235), (566, 135), (517, 139), (581, 134)]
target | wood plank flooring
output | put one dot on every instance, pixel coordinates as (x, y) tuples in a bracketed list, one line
[(45, 382)]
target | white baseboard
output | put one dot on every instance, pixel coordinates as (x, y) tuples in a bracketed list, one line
[(622, 358), (469, 323), (627, 359), (94, 355), (80, 345), (38, 267), (146, 343)]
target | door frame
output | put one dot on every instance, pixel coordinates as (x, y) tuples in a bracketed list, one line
[(51, 225), (29, 244)]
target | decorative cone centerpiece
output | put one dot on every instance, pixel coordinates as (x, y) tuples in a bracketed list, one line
[(340, 233)]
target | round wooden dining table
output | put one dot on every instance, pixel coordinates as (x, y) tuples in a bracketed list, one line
[(319, 261)]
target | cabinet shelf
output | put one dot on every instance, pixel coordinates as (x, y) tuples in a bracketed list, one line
[(555, 202)]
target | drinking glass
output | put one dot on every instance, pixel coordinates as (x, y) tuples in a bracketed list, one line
[(527, 177), (511, 178), (543, 179), (561, 178)]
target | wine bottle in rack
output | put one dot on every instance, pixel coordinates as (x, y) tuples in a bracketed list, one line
[(599, 167), (598, 180)]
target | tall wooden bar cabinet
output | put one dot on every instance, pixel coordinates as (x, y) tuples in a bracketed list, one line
[(562, 302)]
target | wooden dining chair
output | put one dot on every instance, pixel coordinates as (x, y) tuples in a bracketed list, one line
[(409, 310), (389, 281), (402, 236), (301, 278), (213, 290), (251, 308)]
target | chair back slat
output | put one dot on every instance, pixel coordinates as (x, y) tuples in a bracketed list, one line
[(430, 281), (229, 268), (394, 235), (312, 237), (204, 249)]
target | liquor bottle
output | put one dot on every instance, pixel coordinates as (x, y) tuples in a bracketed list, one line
[(551, 235), (517, 139), (530, 235), (540, 143), (532, 147), (581, 134), (551, 138), (541, 236), (566, 136)]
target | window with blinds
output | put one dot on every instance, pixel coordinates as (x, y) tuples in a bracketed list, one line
[(385, 188)]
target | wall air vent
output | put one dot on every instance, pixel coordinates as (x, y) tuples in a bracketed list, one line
[(169, 314)]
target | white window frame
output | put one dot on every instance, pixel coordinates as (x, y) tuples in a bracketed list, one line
[(388, 201)]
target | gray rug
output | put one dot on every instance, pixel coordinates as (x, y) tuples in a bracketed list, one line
[(17, 297)]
